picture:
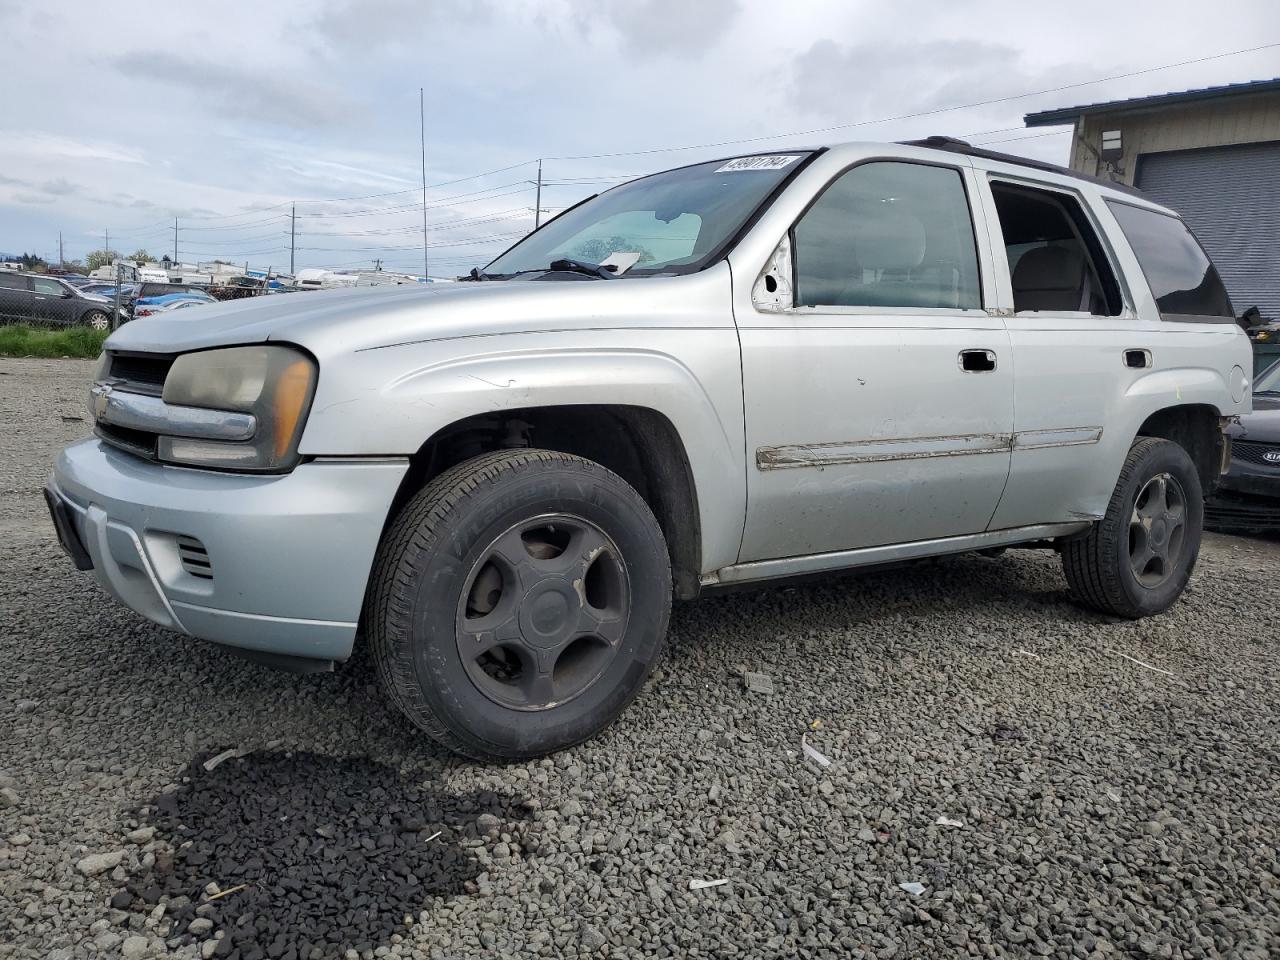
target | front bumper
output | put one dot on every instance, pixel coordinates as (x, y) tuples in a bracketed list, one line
[(275, 564), (1247, 499), (1235, 512)]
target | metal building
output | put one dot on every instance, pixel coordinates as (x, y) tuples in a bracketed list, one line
[(1211, 154)]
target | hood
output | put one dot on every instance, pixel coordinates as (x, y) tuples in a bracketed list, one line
[(334, 321), (1261, 426)]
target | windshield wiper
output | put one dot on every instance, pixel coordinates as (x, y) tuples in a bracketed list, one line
[(478, 274), (567, 265)]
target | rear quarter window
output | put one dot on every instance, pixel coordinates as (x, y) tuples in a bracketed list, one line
[(1182, 279)]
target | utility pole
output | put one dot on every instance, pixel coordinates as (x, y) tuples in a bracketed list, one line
[(62, 261), (106, 240), (537, 202), (293, 234), (175, 241), (422, 131)]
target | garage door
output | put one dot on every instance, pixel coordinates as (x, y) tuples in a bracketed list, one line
[(1231, 198)]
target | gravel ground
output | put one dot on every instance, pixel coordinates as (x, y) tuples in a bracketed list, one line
[(1094, 806)]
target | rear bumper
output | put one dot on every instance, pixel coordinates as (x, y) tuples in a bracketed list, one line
[(288, 557)]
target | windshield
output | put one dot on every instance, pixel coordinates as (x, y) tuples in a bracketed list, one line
[(672, 222), (1269, 380)]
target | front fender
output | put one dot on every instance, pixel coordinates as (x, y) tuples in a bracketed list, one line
[(389, 401)]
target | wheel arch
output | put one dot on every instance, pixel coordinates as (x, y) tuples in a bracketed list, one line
[(639, 444), (1197, 428)]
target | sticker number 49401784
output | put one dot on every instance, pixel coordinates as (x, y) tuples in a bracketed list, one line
[(776, 162)]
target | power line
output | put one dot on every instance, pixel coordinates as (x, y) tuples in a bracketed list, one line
[(153, 233), (455, 243), (923, 113), (1034, 136)]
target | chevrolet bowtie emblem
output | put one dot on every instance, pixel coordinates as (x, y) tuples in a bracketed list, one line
[(101, 393)]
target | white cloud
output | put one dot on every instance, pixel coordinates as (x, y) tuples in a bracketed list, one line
[(231, 117), (43, 144)]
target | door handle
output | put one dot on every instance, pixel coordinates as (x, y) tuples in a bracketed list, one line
[(977, 361), (1137, 358)]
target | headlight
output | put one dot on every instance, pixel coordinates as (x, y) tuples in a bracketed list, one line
[(273, 383)]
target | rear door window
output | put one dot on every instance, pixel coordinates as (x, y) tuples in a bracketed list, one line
[(13, 281), (1056, 264), (1183, 280)]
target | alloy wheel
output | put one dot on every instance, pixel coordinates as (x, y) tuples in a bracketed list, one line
[(543, 612), (1157, 528)]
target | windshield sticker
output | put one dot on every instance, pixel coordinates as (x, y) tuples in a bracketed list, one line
[(758, 163)]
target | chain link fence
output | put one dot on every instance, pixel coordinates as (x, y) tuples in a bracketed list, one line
[(47, 302)]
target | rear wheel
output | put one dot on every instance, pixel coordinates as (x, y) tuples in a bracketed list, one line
[(518, 603), (97, 320), (1137, 559)]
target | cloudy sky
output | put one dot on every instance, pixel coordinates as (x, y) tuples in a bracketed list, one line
[(222, 115)]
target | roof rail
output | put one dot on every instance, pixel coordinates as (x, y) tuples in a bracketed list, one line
[(952, 145)]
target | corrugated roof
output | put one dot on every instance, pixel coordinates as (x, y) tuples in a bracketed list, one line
[(1050, 118)]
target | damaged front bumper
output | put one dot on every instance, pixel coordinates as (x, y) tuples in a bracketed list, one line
[(273, 564)]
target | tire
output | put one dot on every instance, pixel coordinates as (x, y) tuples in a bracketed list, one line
[(477, 546), (1106, 570), (97, 320)]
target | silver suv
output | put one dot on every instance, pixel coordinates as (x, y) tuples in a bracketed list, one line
[(743, 370)]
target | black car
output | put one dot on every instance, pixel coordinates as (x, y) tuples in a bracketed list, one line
[(50, 301), (1248, 497)]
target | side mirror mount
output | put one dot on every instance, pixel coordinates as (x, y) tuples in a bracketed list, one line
[(772, 291)]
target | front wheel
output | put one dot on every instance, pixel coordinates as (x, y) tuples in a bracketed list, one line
[(97, 320), (1137, 559), (518, 603)]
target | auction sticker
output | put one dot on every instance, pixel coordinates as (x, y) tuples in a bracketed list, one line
[(776, 162)]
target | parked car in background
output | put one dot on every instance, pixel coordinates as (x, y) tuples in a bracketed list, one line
[(149, 306), (757, 368), (138, 290), (1248, 496), (51, 301), (127, 290), (155, 289)]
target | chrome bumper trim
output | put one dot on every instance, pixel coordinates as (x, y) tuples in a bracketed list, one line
[(136, 411)]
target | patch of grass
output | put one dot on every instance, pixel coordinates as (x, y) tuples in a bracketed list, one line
[(23, 341)]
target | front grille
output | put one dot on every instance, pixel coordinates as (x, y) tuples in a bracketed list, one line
[(1251, 451), (140, 372), (134, 441), (195, 558)]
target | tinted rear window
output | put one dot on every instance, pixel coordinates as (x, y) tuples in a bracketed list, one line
[(153, 289), (1182, 279), (13, 281)]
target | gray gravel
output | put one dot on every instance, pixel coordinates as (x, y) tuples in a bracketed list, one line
[(1104, 808)]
